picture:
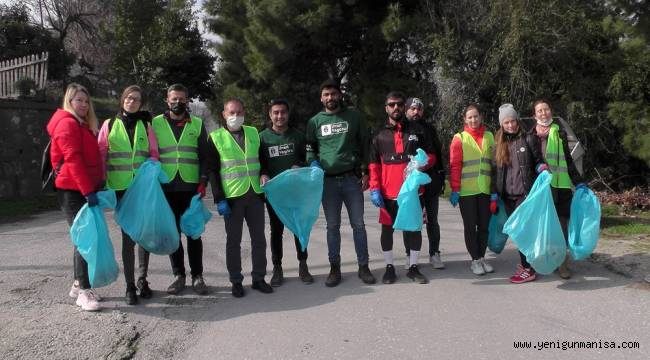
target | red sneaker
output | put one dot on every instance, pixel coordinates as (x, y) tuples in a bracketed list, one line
[(525, 275)]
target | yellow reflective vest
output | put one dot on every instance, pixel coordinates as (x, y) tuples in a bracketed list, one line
[(179, 157), (556, 160), (477, 170), (240, 169), (123, 159)]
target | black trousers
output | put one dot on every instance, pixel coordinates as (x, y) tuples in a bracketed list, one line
[(412, 239), (179, 201), (128, 254), (71, 202), (430, 199), (277, 230), (511, 203), (249, 207), (475, 211)]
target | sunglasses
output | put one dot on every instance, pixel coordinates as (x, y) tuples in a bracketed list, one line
[(393, 104)]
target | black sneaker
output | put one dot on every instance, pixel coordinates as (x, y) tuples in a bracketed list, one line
[(365, 275), (131, 298), (334, 277), (389, 275), (415, 275), (198, 285), (262, 287), (177, 286), (145, 291), (237, 290), (303, 273), (278, 276)]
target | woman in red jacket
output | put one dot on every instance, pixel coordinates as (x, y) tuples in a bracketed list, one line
[(75, 157), (470, 160)]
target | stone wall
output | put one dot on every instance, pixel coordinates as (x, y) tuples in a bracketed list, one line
[(22, 139)]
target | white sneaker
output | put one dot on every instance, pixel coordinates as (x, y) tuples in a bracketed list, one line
[(477, 267), (87, 301), (487, 267), (436, 262), (407, 264), (74, 291)]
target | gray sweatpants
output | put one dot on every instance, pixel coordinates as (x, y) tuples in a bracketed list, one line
[(249, 207)]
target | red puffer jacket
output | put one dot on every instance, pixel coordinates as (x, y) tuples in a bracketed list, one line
[(76, 145)]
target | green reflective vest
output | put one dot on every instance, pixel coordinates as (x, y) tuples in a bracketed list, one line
[(556, 160), (123, 160), (179, 157), (239, 169), (477, 161)]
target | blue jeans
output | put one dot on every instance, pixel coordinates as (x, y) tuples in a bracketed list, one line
[(337, 191)]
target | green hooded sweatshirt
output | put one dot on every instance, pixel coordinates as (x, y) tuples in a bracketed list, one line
[(339, 141)]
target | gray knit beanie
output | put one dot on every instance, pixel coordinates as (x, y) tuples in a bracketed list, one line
[(507, 110)]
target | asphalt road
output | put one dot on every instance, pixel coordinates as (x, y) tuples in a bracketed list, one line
[(456, 315)]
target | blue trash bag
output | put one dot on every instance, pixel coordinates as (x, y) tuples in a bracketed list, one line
[(144, 214), (496, 238), (409, 209), (535, 228), (194, 218), (584, 223), (295, 195), (89, 234)]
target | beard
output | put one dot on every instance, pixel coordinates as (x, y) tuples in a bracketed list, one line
[(332, 105), (396, 116)]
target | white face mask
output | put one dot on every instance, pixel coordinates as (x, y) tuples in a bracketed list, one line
[(235, 122)]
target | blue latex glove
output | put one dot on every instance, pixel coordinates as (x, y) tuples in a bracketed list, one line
[(316, 163), (376, 198), (581, 186), (92, 199), (454, 198), (223, 208)]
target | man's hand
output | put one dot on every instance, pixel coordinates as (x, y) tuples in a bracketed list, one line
[(365, 182), (376, 198), (224, 209), (264, 179), (201, 190)]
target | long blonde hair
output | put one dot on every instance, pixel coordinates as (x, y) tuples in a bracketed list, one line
[(91, 118)]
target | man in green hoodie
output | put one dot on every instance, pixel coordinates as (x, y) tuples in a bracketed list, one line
[(337, 142)]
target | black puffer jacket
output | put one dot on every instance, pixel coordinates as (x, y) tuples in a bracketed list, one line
[(528, 157)]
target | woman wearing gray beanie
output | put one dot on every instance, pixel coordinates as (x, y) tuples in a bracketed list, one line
[(517, 162)]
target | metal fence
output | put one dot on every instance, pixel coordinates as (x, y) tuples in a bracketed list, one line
[(27, 67)]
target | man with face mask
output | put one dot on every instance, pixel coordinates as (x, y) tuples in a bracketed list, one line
[(389, 156), (432, 190), (337, 141), (183, 145), (237, 191)]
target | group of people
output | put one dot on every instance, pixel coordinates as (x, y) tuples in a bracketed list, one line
[(237, 161)]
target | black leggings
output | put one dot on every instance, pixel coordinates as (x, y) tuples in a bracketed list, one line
[(511, 203), (71, 202), (128, 254), (412, 239), (475, 211)]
